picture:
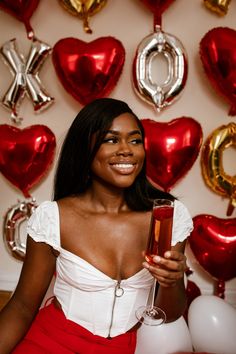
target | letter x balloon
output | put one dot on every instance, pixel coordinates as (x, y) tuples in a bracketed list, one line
[(26, 79)]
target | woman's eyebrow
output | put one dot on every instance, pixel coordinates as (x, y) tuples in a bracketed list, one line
[(115, 132)]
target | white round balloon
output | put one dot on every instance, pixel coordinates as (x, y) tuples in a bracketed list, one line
[(164, 339), (212, 325)]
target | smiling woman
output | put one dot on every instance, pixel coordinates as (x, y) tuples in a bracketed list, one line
[(92, 235), (121, 154)]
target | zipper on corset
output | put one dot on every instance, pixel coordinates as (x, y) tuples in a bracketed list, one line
[(118, 292)]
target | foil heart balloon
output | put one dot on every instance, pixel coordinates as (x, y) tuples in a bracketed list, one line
[(22, 10), (220, 7), (218, 52), (157, 5), (171, 149), (83, 9), (88, 70), (25, 155), (213, 242)]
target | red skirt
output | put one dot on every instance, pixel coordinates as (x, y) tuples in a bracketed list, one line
[(52, 333)]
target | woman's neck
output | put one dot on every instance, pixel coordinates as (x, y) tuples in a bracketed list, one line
[(106, 199)]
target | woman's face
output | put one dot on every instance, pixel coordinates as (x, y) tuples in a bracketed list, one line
[(120, 157)]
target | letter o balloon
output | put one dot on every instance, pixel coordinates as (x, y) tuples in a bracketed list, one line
[(167, 45), (12, 227), (212, 163)]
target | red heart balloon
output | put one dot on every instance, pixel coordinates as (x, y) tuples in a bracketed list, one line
[(218, 53), (192, 291), (25, 154), (157, 5), (88, 70), (213, 242), (22, 10), (171, 149)]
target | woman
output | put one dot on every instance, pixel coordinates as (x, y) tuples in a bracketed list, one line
[(93, 236)]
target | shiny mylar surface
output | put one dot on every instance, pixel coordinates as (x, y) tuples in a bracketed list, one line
[(88, 70), (157, 5), (212, 163), (220, 7), (26, 77), (218, 53), (25, 155), (83, 9), (213, 242), (22, 10), (13, 237), (171, 149)]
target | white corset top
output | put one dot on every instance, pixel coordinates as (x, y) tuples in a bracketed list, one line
[(100, 304), (89, 297)]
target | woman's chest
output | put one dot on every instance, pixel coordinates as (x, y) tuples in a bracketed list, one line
[(114, 245)]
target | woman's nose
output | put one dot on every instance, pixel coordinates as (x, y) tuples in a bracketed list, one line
[(124, 149)]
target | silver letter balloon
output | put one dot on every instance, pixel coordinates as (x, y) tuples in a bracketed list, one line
[(26, 79), (14, 238), (167, 45)]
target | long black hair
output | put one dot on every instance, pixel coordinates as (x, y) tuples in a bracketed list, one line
[(77, 153)]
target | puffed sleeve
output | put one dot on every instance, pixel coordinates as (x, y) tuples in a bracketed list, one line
[(43, 225), (182, 223)]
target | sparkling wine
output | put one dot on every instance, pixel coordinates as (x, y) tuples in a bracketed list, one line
[(159, 241), (160, 232)]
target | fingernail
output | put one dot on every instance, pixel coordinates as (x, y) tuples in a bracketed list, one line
[(157, 259), (146, 265)]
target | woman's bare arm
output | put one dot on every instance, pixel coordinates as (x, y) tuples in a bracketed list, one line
[(169, 272), (36, 275)]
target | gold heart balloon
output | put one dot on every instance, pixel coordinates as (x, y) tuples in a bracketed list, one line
[(218, 6), (83, 9)]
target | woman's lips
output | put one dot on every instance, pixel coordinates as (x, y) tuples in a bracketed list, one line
[(124, 168)]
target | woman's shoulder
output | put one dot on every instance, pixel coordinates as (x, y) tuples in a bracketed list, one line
[(43, 225)]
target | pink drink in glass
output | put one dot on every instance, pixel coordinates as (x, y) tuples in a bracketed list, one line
[(160, 231)]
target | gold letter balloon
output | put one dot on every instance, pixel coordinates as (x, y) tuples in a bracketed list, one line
[(212, 163), (83, 9), (167, 45)]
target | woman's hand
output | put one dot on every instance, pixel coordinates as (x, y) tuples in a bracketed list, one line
[(168, 269)]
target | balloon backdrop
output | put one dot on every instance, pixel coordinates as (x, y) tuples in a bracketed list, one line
[(26, 79), (213, 242), (22, 10), (88, 70), (171, 149), (83, 9), (212, 323), (169, 47), (12, 227), (217, 52), (164, 339), (218, 6), (212, 163), (25, 155)]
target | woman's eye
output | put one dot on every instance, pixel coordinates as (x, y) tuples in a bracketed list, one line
[(137, 141), (112, 140)]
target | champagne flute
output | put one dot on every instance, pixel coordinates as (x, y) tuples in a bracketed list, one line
[(159, 242)]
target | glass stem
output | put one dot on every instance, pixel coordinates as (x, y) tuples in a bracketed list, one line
[(153, 293)]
